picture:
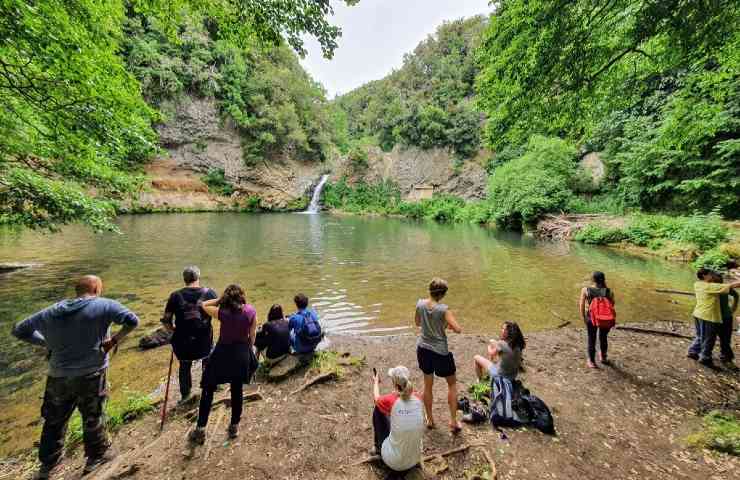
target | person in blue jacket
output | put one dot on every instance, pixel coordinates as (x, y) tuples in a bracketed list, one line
[(305, 329), (76, 334)]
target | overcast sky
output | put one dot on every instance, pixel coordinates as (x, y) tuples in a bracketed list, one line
[(376, 34)]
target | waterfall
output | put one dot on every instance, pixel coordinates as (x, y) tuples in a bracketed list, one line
[(313, 207)]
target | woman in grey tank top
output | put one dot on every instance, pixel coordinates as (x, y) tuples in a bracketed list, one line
[(434, 358)]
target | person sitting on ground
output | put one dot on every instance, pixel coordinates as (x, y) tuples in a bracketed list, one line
[(232, 361), (305, 329), (504, 355), (398, 422), (728, 303), (707, 315), (274, 337), (596, 307), (432, 353), (76, 333), (192, 337)]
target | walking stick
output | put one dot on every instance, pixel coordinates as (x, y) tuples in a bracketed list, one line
[(167, 392)]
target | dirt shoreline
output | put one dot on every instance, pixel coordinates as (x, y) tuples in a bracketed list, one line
[(627, 421)]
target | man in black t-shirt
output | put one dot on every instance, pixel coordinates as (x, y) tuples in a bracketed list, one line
[(193, 335)]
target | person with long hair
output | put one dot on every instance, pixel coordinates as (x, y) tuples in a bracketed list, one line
[(434, 318), (502, 366), (598, 289), (232, 360), (274, 337), (398, 421), (504, 355)]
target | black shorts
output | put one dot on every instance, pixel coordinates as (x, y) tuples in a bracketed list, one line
[(433, 363)]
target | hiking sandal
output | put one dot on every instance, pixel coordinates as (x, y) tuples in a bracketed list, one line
[(197, 436)]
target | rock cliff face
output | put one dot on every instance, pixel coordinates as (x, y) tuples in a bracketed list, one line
[(197, 139), (410, 167)]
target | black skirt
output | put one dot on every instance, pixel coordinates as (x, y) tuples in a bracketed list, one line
[(233, 363)]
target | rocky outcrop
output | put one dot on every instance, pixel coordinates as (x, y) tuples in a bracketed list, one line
[(410, 167), (197, 139)]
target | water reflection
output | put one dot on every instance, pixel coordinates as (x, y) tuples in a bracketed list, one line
[(364, 275)]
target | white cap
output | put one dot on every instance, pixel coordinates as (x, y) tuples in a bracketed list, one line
[(400, 375)]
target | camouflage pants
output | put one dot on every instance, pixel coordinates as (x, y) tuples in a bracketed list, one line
[(62, 396)]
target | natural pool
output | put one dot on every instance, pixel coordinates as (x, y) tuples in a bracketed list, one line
[(363, 275)]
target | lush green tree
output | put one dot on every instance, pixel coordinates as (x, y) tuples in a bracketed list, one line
[(427, 102), (652, 81), (74, 127)]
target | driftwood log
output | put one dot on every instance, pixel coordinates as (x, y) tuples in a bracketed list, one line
[(676, 292), (446, 453), (649, 331), (324, 377)]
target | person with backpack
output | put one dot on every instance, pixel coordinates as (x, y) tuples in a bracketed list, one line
[(192, 337), (596, 306), (76, 335), (707, 315), (232, 361), (434, 318), (274, 337), (398, 421), (305, 329)]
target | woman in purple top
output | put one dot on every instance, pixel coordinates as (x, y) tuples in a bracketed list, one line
[(232, 360)]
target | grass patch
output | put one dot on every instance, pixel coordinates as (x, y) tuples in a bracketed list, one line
[(328, 361), (481, 390), (117, 414), (720, 432)]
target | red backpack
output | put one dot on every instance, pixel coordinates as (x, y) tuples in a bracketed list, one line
[(601, 308)]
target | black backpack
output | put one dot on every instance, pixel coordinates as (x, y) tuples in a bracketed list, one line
[(193, 337)]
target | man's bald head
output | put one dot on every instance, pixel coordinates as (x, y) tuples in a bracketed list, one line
[(89, 285)]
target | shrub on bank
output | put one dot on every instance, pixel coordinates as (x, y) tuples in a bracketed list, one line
[(536, 183), (595, 234)]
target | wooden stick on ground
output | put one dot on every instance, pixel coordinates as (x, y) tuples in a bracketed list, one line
[(649, 331), (491, 463), (677, 292), (212, 434), (462, 448), (324, 377), (248, 398), (564, 322)]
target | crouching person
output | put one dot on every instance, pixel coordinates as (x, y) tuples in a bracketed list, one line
[(76, 333), (398, 422)]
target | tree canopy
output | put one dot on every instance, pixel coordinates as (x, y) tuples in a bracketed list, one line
[(653, 82), (75, 127), (427, 102)]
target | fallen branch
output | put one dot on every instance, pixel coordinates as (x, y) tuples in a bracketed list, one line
[(564, 322), (650, 331), (324, 377), (491, 463), (248, 398), (446, 453), (677, 292), (210, 436)]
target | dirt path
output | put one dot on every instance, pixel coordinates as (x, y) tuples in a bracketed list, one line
[(628, 421)]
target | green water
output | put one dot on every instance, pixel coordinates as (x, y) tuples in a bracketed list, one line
[(363, 275)]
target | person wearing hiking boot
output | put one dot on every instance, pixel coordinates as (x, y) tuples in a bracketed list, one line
[(728, 304), (76, 333), (596, 307), (305, 328), (274, 337), (398, 422), (433, 319), (232, 361), (707, 315), (192, 337)]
